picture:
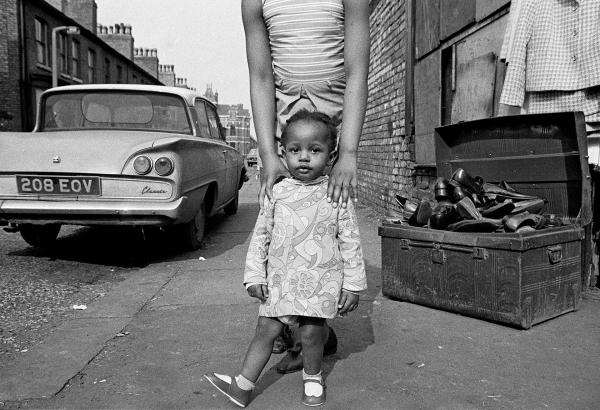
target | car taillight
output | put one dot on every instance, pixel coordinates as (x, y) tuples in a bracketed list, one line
[(142, 165), (163, 166)]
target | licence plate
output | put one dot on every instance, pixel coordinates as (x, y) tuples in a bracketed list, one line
[(55, 185)]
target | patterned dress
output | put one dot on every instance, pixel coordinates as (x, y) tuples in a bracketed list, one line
[(306, 251)]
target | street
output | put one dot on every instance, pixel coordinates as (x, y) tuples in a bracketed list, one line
[(157, 319)]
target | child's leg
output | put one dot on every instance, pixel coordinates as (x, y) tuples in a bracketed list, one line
[(312, 333), (259, 351)]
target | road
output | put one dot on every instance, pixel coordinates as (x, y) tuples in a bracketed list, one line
[(152, 328)]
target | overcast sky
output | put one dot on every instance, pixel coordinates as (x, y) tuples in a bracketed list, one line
[(203, 39)]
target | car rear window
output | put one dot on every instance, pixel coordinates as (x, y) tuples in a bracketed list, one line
[(115, 110)]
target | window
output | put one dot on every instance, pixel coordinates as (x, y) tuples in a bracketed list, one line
[(213, 123), (202, 124), (119, 74), (91, 77), (62, 53), (75, 63), (41, 41), (115, 110), (106, 71)]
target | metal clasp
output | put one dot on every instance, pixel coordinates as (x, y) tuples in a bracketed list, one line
[(480, 253), (404, 244), (554, 253), (438, 255)]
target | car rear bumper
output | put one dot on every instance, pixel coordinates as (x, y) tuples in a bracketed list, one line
[(96, 212)]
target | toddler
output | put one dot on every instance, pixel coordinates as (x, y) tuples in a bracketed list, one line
[(304, 262)]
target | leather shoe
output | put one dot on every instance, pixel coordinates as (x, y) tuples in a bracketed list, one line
[(292, 362), (466, 208), (442, 216), (502, 193), (498, 210), (472, 185), (519, 220), (442, 190), (475, 225), (280, 345), (422, 214), (533, 206)]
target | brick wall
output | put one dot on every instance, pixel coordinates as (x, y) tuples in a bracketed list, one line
[(10, 94), (386, 154)]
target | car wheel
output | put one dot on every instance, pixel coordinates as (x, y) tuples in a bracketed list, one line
[(40, 236), (192, 233), (232, 207)]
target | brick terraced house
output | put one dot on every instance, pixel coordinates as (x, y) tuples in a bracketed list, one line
[(97, 54)]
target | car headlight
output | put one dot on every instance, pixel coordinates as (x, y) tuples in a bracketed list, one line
[(142, 165), (163, 166)]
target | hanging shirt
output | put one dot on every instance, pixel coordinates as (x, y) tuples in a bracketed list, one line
[(556, 47), (306, 38)]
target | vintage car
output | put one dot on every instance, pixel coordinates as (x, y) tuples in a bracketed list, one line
[(252, 157), (113, 154)]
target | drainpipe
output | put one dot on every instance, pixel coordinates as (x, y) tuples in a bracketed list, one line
[(24, 84)]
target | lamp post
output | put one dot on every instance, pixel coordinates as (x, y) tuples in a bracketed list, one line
[(55, 31)]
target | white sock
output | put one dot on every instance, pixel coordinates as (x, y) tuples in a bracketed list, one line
[(313, 388), (243, 383)]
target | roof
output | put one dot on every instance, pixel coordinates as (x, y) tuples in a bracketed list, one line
[(185, 93)]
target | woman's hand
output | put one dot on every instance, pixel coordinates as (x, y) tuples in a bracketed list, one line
[(343, 181), (260, 292), (348, 302), (272, 169)]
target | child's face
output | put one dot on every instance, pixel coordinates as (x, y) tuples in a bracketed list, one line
[(306, 150)]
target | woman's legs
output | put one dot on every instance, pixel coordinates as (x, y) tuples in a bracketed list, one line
[(259, 351)]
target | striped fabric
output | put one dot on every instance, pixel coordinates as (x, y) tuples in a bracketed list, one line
[(307, 38)]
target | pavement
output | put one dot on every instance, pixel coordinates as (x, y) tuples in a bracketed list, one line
[(147, 343)]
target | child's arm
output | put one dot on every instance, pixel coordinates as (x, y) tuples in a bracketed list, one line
[(343, 181), (355, 278), (255, 272), (262, 95)]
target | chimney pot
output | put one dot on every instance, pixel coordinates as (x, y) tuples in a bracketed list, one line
[(111, 29)]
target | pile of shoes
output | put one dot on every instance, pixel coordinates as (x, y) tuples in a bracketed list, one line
[(469, 204)]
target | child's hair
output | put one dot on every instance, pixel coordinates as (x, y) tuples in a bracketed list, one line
[(313, 116)]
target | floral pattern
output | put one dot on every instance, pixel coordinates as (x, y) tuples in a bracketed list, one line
[(305, 251)]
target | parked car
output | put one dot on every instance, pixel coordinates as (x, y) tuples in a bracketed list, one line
[(118, 155), (252, 157)]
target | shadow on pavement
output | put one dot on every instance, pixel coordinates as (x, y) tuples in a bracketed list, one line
[(355, 334), (128, 247)]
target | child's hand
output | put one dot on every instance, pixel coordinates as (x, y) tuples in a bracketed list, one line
[(348, 302), (259, 292)]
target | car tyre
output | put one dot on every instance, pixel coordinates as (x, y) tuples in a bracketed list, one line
[(40, 236), (232, 207), (192, 233)]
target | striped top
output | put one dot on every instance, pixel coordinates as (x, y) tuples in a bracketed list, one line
[(306, 38)]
